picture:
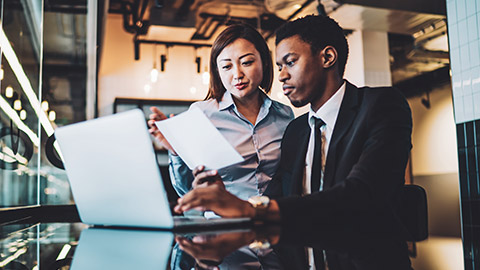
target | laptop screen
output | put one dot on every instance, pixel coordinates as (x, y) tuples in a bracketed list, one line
[(113, 173)]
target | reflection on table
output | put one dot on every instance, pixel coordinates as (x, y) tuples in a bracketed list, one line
[(56, 245)]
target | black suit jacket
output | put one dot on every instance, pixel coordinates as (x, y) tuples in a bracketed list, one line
[(365, 166)]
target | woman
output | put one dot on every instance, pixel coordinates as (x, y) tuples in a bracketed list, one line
[(241, 73)]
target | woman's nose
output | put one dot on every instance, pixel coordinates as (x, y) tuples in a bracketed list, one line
[(237, 73)]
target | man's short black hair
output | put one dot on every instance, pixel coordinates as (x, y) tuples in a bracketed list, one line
[(318, 31)]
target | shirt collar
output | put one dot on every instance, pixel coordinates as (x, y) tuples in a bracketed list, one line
[(329, 111), (227, 101)]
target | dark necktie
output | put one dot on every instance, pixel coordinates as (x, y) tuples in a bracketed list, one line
[(317, 156)]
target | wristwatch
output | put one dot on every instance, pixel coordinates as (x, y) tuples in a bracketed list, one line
[(260, 203)]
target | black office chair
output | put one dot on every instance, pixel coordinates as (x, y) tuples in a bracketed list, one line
[(413, 212)]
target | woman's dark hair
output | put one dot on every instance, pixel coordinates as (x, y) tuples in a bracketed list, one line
[(318, 31), (225, 38)]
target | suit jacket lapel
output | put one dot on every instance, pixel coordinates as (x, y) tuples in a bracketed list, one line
[(344, 121), (299, 165)]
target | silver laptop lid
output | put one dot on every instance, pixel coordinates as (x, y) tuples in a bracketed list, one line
[(113, 173)]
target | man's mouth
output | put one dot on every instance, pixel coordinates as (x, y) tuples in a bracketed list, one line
[(287, 89)]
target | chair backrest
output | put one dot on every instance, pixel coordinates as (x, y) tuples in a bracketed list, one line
[(413, 212)]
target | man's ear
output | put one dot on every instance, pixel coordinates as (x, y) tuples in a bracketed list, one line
[(329, 56)]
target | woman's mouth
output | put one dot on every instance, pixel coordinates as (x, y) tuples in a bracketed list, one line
[(241, 86)]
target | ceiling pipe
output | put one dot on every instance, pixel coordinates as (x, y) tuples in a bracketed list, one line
[(137, 42)]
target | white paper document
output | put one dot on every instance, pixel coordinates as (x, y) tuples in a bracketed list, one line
[(198, 141)]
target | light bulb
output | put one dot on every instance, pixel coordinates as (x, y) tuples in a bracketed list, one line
[(154, 75), (147, 88), (205, 78), (45, 105), (9, 92), (52, 115), (23, 114), (17, 105)]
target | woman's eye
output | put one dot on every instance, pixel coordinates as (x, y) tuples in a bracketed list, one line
[(247, 63), (226, 67)]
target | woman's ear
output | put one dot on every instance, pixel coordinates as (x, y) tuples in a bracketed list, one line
[(329, 56)]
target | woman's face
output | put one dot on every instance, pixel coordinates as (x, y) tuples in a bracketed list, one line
[(240, 68)]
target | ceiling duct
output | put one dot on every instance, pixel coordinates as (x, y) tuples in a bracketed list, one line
[(417, 30), (211, 15)]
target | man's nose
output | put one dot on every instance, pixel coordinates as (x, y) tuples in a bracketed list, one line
[(283, 76)]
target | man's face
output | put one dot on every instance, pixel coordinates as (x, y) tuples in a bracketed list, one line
[(301, 73)]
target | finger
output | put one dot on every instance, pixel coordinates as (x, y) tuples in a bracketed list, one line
[(177, 209), (179, 238), (202, 185), (157, 114), (203, 177), (204, 264), (157, 117), (200, 239), (190, 248), (198, 169), (152, 130), (195, 198), (151, 123), (206, 176)]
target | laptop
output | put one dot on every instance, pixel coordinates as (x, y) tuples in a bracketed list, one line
[(115, 178)]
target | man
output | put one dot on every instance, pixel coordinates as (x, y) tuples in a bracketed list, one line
[(340, 170)]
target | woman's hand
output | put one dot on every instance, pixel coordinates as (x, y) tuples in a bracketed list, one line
[(205, 178), (157, 115)]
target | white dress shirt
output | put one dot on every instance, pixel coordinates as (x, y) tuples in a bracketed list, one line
[(328, 113)]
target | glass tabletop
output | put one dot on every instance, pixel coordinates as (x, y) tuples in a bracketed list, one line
[(77, 246)]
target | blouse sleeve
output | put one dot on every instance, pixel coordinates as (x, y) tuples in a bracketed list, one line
[(180, 175)]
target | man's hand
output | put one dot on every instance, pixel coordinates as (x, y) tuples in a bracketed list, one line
[(214, 197), (209, 194), (158, 115), (209, 250)]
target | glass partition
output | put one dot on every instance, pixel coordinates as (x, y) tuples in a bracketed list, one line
[(21, 45), (42, 86)]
